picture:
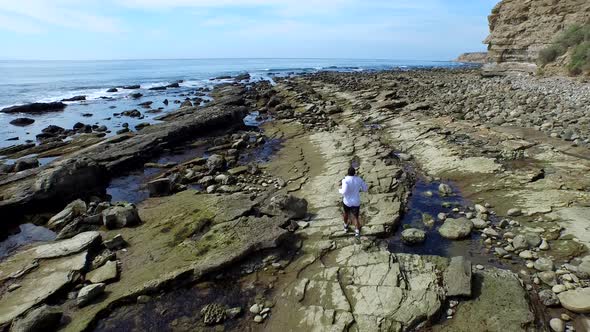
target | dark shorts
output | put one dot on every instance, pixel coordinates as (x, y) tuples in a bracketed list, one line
[(354, 210)]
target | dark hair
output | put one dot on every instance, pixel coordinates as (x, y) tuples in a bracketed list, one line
[(351, 171)]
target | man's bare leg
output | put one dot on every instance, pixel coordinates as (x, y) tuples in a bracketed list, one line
[(345, 217), (356, 223)]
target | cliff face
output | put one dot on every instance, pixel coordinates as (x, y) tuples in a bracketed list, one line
[(473, 57), (519, 29)]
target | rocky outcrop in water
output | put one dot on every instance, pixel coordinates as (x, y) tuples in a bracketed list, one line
[(520, 29), (35, 108)]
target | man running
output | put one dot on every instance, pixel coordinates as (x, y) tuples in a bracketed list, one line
[(351, 202)]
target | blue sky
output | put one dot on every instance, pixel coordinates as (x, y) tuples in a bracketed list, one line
[(154, 29)]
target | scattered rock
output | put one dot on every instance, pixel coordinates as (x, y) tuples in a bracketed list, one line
[(479, 223), (514, 212), (557, 325), (75, 98), (543, 264), (41, 319), (456, 229), (519, 242), (68, 214), (215, 162), (457, 277), (289, 205), (107, 272), (26, 163), (22, 122), (548, 277), (413, 236), (121, 215), (256, 308), (160, 187), (445, 190), (548, 298), (115, 243), (233, 312), (89, 293)]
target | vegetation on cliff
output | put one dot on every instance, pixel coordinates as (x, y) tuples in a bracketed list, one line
[(575, 41)]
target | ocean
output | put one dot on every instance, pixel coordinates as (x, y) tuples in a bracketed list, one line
[(24, 82)]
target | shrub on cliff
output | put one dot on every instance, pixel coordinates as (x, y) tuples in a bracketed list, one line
[(575, 38)]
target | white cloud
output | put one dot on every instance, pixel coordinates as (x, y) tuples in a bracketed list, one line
[(16, 24), (63, 13)]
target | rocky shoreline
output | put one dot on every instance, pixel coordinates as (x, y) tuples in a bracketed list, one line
[(515, 147)]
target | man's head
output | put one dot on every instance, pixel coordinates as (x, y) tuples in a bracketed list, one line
[(351, 171)]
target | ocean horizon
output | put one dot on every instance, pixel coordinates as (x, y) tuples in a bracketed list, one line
[(30, 81)]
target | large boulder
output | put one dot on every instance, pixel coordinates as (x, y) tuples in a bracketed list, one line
[(121, 215), (68, 214), (41, 319), (35, 108), (456, 229), (577, 300), (287, 205)]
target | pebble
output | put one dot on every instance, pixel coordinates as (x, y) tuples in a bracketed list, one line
[(265, 310), (557, 325), (479, 267), (255, 309), (544, 245), (566, 317), (558, 289), (450, 312), (258, 319), (526, 254)]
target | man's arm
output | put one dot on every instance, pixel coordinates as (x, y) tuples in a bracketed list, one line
[(364, 186)]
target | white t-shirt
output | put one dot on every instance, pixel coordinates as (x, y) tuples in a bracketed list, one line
[(351, 188)]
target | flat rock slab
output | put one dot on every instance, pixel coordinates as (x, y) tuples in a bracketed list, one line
[(105, 273), (457, 277), (372, 286), (501, 305), (577, 300), (66, 247), (39, 284)]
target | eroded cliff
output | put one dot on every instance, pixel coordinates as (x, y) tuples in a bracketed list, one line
[(520, 29)]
